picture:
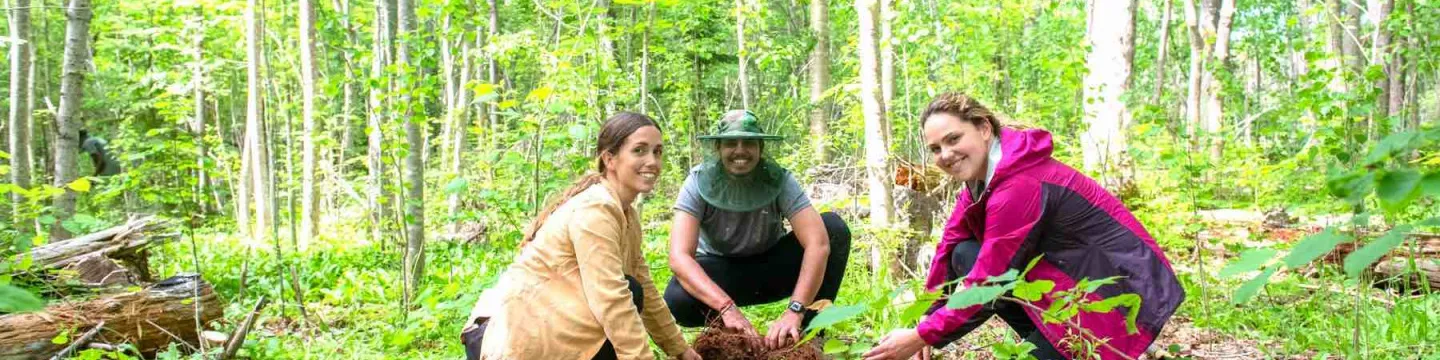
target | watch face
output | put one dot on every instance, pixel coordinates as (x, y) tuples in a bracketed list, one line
[(795, 306)]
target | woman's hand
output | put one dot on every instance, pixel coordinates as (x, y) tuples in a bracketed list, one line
[(898, 345)]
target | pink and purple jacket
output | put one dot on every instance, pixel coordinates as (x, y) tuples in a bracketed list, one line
[(1035, 205)]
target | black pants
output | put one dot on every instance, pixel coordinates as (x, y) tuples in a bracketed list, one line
[(472, 338), (763, 278), (962, 259)]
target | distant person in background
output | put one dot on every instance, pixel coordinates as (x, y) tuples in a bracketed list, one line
[(104, 163)]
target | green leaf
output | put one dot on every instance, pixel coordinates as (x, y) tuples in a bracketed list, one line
[(1389, 145), (61, 339), (974, 296), (17, 300), (1032, 264), (1008, 276), (459, 185), (1313, 247), (1431, 184), (1361, 259), (835, 346), (1089, 286), (1033, 291), (1396, 186), (1248, 290), (916, 309), (80, 185), (834, 315), (1250, 260), (1130, 301)]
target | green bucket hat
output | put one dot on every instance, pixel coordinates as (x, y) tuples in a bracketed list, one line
[(739, 124), (745, 192)]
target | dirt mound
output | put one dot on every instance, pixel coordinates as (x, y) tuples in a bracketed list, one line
[(722, 344)]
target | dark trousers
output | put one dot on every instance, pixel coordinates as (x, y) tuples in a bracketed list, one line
[(962, 259), (472, 338), (763, 278)]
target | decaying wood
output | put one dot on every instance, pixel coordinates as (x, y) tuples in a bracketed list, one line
[(127, 243), (1427, 271), (96, 270), (142, 318), (83, 340)]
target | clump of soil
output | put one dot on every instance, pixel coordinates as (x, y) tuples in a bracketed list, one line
[(717, 343)]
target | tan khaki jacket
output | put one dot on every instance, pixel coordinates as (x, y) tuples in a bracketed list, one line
[(566, 292)]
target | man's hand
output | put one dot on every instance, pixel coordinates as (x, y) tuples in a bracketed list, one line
[(689, 354), (733, 319), (898, 345), (784, 331)]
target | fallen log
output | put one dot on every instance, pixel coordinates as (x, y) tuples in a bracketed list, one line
[(127, 243), (150, 319), (1398, 268)]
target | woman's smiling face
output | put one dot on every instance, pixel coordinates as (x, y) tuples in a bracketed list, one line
[(959, 147)]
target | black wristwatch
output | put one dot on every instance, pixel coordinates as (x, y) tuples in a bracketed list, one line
[(795, 306)]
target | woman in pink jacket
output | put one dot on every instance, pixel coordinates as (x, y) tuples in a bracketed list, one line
[(1020, 203)]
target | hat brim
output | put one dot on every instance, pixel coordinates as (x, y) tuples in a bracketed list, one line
[(741, 135)]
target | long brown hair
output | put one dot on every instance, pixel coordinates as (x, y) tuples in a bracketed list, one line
[(612, 136), (964, 107)]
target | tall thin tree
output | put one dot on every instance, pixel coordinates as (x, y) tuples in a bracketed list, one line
[(1111, 34), (741, 7), (819, 78), (259, 156), (414, 167), (68, 120), (309, 207), (19, 128), (873, 107)]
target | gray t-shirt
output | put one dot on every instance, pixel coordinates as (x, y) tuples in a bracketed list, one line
[(728, 233)]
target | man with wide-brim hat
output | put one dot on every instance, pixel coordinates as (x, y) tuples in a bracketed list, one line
[(728, 244)]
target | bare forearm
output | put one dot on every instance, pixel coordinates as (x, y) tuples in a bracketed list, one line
[(693, 278)]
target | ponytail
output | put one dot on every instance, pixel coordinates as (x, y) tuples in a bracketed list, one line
[(580, 185)]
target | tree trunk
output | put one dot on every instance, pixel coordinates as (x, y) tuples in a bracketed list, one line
[(741, 7), (72, 94), (1112, 45), (645, 59), (203, 183), (379, 57), (1336, 44), (414, 167), (491, 70), (1197, 64), (149, 319), (1214, 103), (871, 99), (309, 213), (887, 59), (1164, 50), (819, 78), (459, 119), (255, 124), (19, 127)]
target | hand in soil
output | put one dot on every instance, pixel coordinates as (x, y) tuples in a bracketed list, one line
[(735, 320), (785, 331), (898, 345), (689, 354)]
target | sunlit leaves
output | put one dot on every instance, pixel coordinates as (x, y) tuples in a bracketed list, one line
[(1252, 287), (1249, 261), (1313, 247)]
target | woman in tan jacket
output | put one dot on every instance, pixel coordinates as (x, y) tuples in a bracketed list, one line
[(580, 288)]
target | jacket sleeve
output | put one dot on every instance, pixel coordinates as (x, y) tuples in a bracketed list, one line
[(595, 232), (656, 315), (1011, 212)]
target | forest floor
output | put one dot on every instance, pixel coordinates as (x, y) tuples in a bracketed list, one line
[(352, 296)]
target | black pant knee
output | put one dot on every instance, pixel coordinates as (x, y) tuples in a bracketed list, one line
[(687, 310), (636, 292)]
